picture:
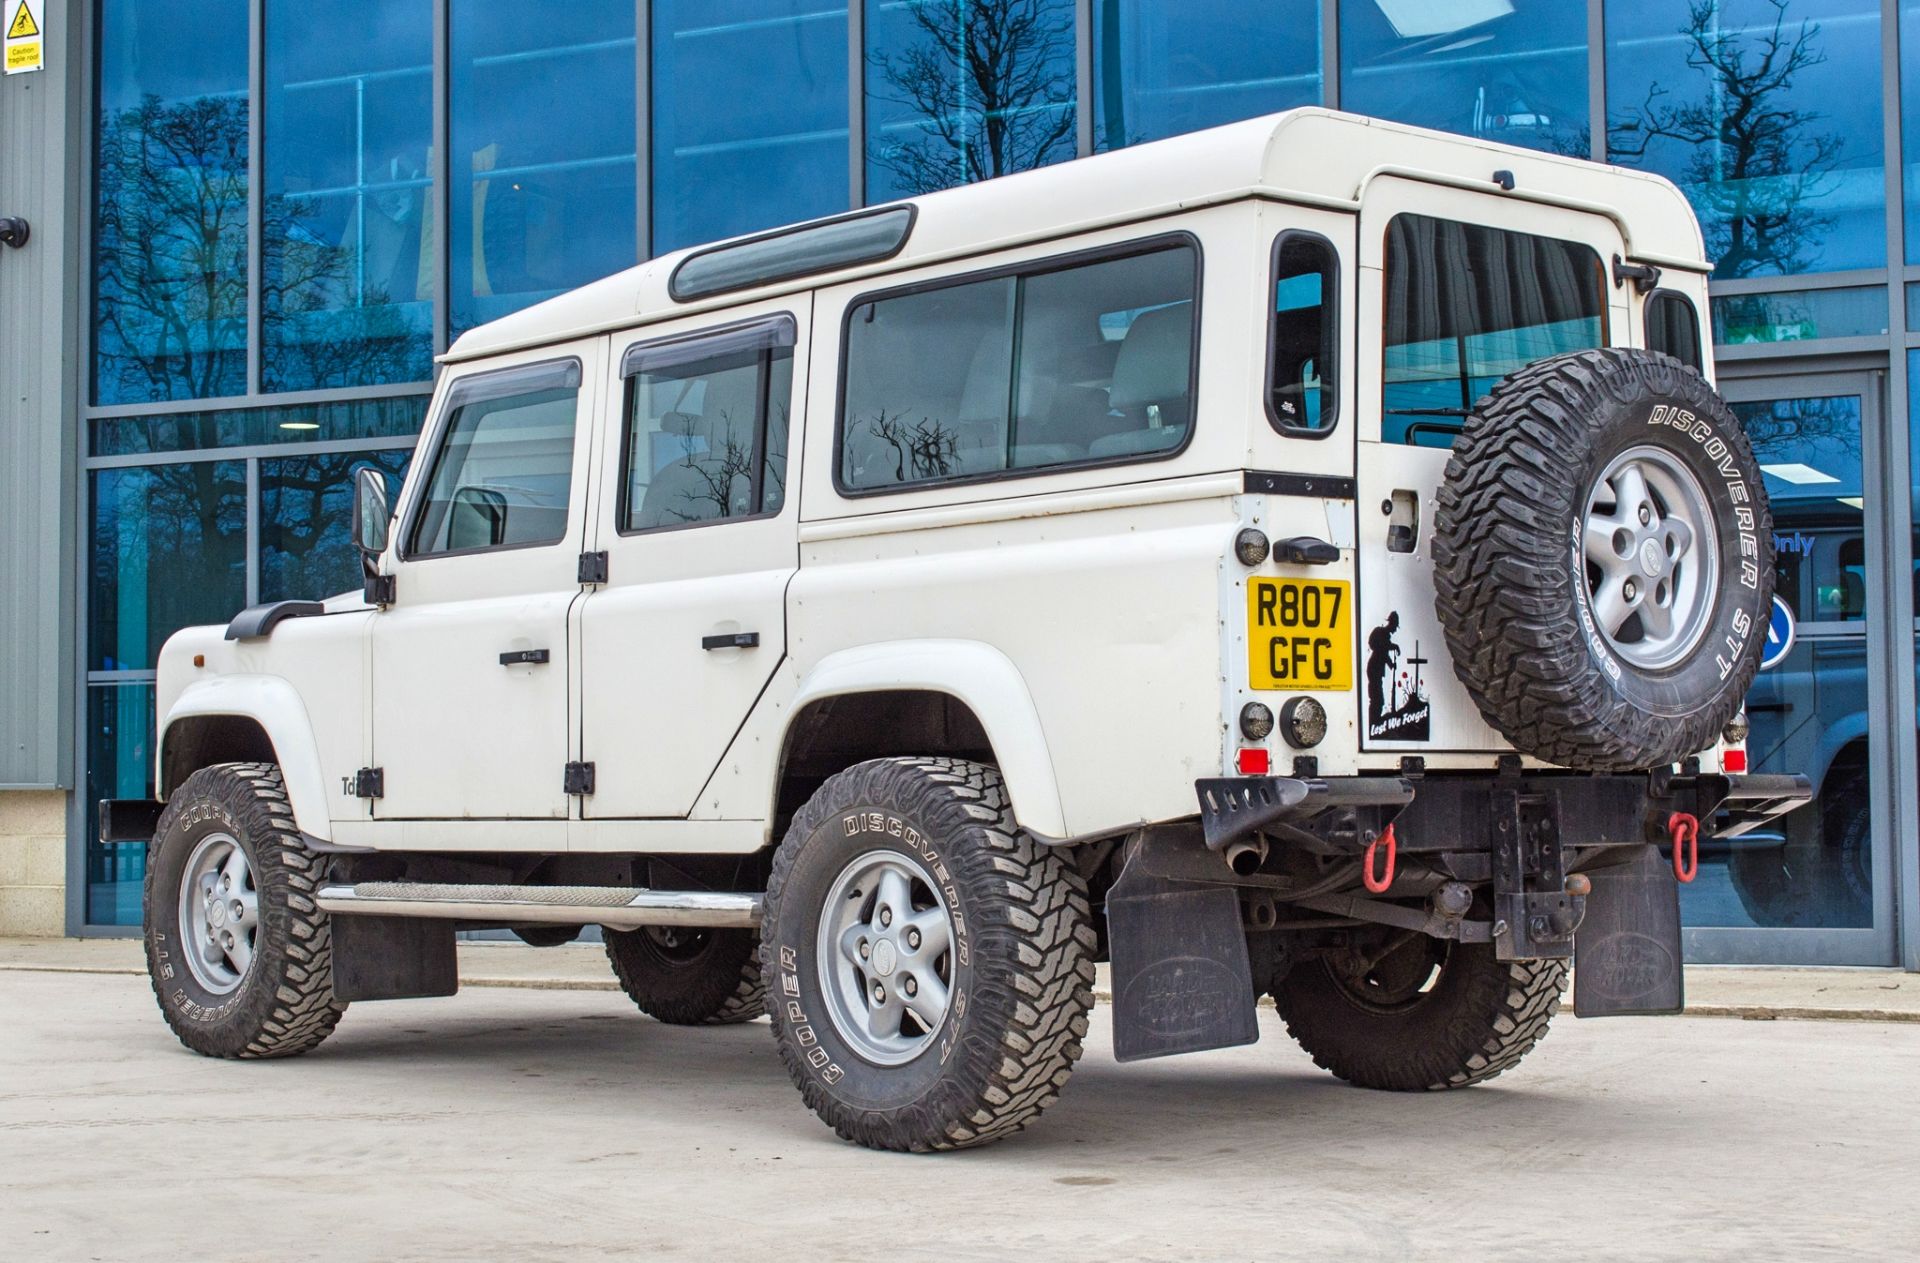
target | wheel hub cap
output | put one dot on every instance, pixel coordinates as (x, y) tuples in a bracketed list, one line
[(885, 956), (219, 913), (1651, 557)]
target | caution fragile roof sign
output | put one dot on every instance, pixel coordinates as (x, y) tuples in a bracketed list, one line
[(26, 37)]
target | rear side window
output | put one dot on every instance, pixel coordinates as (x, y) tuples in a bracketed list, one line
[(707, 421), (1304, 334), (1015, 372), (1673, 326), (503, 473), (1467, 305)]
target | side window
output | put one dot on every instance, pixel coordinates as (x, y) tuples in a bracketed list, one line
[(1467, 305), (1305, 334), (1053, 367), (706, 433), (503, 474), (1673, 326)]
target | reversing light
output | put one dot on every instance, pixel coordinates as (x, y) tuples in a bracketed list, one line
[(1256, 722), (1251, 547), (1736, 730), (1254, 762), (1303, 722)]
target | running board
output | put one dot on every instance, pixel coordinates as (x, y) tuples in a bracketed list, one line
[(616, 907)]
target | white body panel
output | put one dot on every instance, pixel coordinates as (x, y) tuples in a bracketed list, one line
[(1093, 618)]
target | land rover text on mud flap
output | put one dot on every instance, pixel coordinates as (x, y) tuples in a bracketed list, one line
[(1302, 558)]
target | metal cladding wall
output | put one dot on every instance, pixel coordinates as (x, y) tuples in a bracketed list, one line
[(40, 159)]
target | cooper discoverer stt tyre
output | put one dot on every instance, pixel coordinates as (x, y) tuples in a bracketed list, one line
[(239, 953), (690, 977), (1603, 558), (929, 967)]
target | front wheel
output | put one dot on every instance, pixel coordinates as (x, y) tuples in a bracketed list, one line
[(930, 968), (1404, 1012), (239, 952)]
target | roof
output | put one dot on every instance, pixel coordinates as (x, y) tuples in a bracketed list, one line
[(1316, 156)]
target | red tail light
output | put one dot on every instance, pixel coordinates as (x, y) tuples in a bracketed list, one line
[(1255, 763)]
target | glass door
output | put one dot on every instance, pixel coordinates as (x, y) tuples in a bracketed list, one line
[(1816, 886)]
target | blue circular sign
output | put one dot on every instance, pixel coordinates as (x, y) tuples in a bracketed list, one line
[(1779, 634)]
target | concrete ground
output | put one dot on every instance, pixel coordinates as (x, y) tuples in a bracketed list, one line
[(534, 1123)]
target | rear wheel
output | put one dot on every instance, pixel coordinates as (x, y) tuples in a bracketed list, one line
[(1404, 1012), (690, 977), (239, 952), (932, 966)]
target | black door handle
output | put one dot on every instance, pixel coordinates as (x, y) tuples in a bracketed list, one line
[(525, 657), (733, 640)]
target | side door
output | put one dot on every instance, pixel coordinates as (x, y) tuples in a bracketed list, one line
[(470, 661), (699, 524), (1457, 289)]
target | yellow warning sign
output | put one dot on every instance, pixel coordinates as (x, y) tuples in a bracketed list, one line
[(25, 38)]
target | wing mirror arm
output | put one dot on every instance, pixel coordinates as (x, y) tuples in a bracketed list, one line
[(372, 521)]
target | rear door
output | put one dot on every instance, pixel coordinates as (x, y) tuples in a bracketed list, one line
[(699, 525), (1457, 290)]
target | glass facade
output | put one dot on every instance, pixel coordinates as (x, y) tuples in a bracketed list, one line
[(259, 335), (1163, 68), (749, 109), (1768, 114)]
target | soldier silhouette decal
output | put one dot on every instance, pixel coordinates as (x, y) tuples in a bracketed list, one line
[(1397, 706)]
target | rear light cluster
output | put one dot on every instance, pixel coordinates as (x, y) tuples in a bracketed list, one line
[(1734, 760)]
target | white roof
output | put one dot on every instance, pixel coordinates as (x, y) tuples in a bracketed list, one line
[(1316, 156)]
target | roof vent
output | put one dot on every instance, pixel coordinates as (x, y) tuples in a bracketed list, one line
[(821, 246)]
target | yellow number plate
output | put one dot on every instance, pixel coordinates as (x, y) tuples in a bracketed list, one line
[(1299, 634)]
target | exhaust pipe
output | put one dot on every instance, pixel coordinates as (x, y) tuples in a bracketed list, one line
[(1246, 856)]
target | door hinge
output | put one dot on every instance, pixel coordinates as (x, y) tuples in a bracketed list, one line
[(593, 567), (1645, 276), (368, 782), (378, 589), (579, 778)]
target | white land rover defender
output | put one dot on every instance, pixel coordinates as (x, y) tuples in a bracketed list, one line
[(1302, 558)]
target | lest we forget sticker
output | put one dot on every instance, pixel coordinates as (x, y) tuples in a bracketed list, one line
[(1397, 705)]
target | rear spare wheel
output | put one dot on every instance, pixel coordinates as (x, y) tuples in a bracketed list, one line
[(1603, 558)]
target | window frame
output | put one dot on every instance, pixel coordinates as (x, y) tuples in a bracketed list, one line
[(1329, 303), (1670, 296), (417, 506), (786, 322), (1025, 268)]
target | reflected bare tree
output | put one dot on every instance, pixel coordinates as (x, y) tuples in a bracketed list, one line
[(921, 449), (991, 85), (1756, 161)]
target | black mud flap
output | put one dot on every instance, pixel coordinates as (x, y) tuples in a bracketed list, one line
[(1181, 982), (1626, 956), (392, 958)]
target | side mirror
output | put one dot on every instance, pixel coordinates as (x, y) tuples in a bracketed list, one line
[(371, 516)]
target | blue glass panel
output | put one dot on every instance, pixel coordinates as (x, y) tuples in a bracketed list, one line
[(170, 214), (544, 161), (346, 250), (395, 418), (169, 550), (964, 90), (306, 511), (1813, 866), (1163, 67), (1910, 126), (1768, 114), (119, 765), (749, 116), (1514, 71)]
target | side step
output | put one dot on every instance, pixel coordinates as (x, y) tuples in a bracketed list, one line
[(616, 907)]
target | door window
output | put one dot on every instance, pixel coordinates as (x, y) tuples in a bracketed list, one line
[(707, 423), (1673, 326), (1059, 366), (503, 474), (1467, 305)]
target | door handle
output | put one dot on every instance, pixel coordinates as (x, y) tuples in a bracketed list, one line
[(525, 658), (732, 640)]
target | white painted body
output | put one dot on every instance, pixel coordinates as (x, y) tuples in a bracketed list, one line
[(1093, 619)]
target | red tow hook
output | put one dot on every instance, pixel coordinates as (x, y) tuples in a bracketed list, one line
[(1378, 885), (1685, 830)]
